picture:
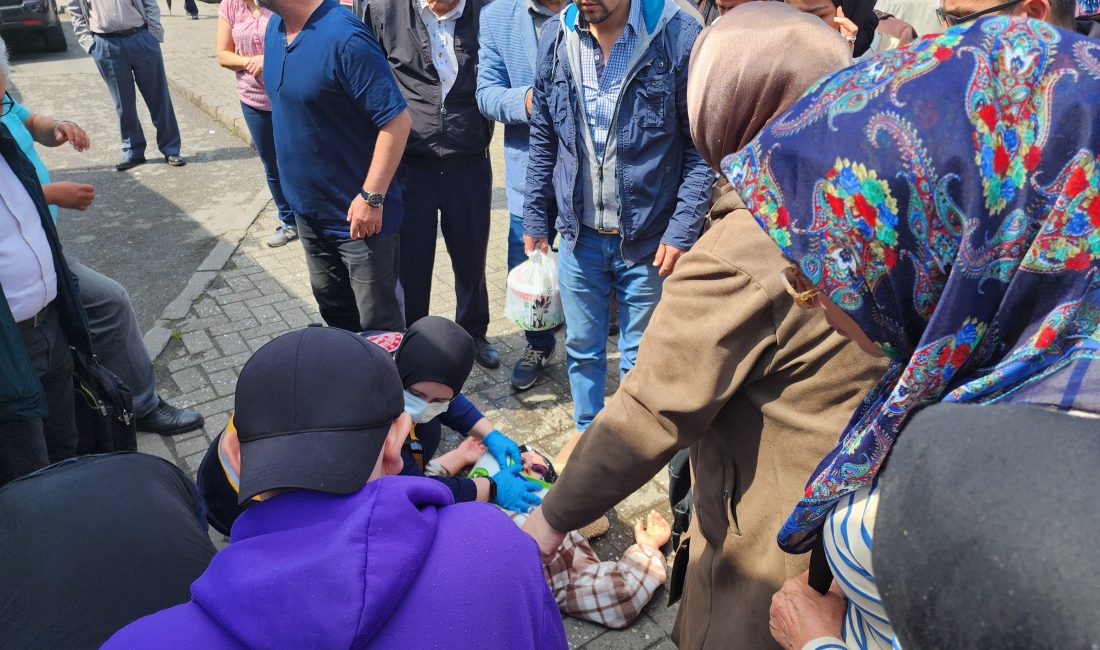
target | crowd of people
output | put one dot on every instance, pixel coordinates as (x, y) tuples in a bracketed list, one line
[(854, 268)]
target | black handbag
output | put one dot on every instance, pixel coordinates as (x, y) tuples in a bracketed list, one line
[(104, 408)]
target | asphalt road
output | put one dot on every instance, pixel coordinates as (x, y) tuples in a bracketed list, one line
[(150, 227)]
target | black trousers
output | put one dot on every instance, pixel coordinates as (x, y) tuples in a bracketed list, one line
[(354, 280), (29, 445), (455, 199)]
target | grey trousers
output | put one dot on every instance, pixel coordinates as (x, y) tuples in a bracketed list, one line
[(136, 59), (116, 335)]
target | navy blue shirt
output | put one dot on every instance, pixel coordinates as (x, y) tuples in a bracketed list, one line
[(331, 91)]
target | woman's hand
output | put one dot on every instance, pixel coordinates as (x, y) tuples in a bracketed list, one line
[(255, 67), (514, 492), (848, 29), (799, 614), (504, 450)]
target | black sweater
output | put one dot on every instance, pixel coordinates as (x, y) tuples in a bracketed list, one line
[(451, 129)]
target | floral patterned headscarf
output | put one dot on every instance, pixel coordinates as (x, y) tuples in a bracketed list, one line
[(946, 195)]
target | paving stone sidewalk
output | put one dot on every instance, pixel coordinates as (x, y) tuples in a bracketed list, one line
[(262, 292)]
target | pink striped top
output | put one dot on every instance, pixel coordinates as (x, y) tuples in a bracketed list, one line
[(248, 39)]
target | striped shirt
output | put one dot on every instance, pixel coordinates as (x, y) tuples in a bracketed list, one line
[(848, 538), (601, 82)]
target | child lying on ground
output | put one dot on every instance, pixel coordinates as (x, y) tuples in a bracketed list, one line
[(612, 594)]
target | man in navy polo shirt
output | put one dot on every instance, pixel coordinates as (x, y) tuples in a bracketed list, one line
[(340, 126)]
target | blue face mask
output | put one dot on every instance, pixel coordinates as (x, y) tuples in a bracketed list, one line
[(421, 411)]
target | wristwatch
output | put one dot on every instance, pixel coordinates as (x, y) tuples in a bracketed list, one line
[(492, 490), (373, 199)]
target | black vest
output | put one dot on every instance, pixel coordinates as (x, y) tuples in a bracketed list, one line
[(453, 128)]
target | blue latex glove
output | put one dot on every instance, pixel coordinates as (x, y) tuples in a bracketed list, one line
[(503, 448), (515, 492)]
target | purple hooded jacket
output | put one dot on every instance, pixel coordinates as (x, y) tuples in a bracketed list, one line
[(396, 565)]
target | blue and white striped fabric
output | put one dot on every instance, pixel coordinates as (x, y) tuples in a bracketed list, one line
[(848, 540), (601, 82)]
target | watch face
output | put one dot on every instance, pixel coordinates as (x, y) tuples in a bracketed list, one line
[(375, 200)]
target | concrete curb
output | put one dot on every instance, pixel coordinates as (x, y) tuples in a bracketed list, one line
[(156, 339), (158, 336), (235, 123)]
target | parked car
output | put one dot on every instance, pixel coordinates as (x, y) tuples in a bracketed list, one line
[(33, 16)]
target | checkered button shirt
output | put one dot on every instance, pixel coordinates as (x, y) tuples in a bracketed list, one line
[(602, 81), (612, 594)]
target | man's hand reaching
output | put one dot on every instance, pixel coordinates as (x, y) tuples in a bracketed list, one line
[(545, 535)]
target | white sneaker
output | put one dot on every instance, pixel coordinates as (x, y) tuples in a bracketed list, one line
[(282, 236)]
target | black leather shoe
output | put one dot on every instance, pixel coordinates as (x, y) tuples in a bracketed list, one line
[(129, 163), (175, 161), (168, 420), (486, 356)]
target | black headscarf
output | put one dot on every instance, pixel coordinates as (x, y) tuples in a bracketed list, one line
[(435, 349), (862, 13)]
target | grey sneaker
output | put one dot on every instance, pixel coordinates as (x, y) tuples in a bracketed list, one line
[(527, 369), (282, 236)]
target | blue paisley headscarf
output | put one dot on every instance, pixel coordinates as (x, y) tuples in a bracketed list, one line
[(946, 195)]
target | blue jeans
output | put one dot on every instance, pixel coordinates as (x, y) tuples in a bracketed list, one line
[(588, 275), (263, 138), (542, 341)]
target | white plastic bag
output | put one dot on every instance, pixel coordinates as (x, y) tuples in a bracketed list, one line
[(533, 300)]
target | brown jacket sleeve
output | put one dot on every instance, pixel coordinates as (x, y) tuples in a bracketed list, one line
[(711, 333)]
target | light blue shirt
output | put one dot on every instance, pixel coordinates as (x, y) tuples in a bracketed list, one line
[(602, 81)]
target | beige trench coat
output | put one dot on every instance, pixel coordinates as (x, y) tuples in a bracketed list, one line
[(759, 389)]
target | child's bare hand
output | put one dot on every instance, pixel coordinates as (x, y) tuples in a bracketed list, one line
[(653, 531), (471, 450)]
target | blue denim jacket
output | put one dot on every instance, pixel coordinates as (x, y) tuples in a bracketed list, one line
[(663, 183)]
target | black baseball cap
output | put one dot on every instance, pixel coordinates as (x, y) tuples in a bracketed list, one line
[(312, 410)]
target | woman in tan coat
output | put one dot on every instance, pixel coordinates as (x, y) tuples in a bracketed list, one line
[(757, 388)]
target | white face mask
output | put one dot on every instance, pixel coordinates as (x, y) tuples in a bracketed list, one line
[(421, 411)]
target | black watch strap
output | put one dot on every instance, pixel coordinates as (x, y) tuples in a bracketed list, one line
[(492, 490)]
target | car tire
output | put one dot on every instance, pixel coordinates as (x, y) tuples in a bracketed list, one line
[(55, 38)]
